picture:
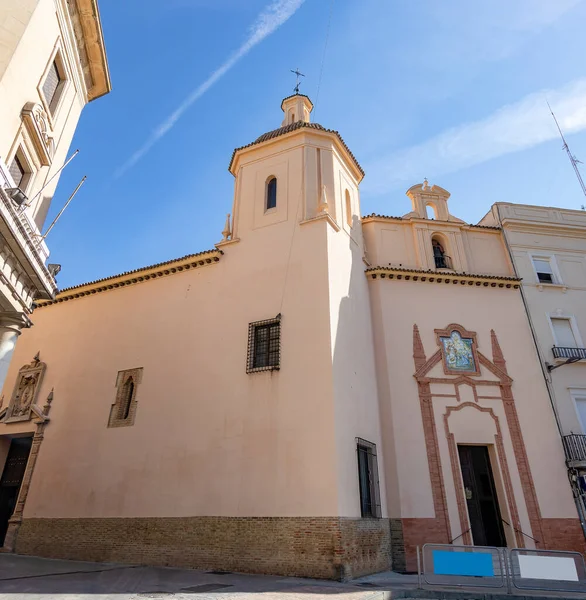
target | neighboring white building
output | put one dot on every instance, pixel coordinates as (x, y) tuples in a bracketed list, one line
[(52, 63), (548, 247)]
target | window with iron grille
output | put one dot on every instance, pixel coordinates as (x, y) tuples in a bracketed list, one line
[(264, 345), (368, 479), (52, 86), (17, 171)]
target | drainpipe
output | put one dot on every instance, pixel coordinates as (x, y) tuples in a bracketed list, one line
[(545, 373)]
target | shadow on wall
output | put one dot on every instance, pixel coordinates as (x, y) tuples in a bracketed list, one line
[(367, 547)]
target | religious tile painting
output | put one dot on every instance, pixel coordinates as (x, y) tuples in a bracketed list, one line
[(458, 353)]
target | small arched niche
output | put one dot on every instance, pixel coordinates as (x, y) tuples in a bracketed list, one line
[(441, 256), (348, 208), (271, 193)]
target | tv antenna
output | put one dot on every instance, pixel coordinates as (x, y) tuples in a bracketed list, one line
[(299, 74), (575, 162)]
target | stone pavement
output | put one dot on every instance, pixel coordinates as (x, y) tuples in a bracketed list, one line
[(29, 578)]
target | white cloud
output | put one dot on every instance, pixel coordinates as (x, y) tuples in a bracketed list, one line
[(269, 20), (512, 128)]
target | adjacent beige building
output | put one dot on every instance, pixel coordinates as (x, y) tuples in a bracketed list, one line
[(548, 247), (317, 395), (52, 63)]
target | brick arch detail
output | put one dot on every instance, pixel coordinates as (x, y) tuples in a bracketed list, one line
[(457, 475), (498, 368)]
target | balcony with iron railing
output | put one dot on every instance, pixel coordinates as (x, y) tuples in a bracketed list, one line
[(573, 354), (443, 262), (575, 448), (25, 244)]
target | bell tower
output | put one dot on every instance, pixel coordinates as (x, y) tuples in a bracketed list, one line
[(299, 172), (296, 222)]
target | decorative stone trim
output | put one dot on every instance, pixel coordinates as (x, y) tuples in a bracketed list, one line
[(398, 273), (498, 367), (16, 519), (36, 122), (25, 391), (87, 27), (376, 217), (171, 267), (123, 411)]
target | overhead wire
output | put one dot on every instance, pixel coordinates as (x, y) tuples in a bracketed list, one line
[(323, 58), (301, 198)]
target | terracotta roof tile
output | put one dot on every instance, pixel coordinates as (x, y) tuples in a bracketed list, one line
[(125, 273), (376, 216), (270, 135)]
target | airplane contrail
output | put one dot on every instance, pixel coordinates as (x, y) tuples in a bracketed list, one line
[(269, 20)]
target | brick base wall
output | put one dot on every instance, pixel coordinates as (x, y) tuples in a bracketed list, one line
[(327, 548), (407, 534), (563, 534), (398, 546), (422, 531)]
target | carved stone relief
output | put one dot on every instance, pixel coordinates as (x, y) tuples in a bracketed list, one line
[(25, 391)]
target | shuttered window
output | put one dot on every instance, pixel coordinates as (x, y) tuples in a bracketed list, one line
[(17, 171), (368, 479), (51, 86), (564, 336)]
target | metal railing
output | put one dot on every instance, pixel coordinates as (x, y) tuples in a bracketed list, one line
[(483, 566), (575, 447), (561, 352), (443, 262)]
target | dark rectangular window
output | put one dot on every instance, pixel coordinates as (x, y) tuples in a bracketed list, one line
[(17, 171), (264, 345), (368, 479), (51, 86)]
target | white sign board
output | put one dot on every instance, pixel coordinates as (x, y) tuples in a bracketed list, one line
[(559, 568)]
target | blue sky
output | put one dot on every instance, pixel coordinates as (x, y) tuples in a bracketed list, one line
[(453, 91)]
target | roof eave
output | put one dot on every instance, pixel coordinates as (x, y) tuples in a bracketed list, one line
[(333, 135), (95, 48)]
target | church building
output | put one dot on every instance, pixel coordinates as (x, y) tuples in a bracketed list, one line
[(317, 395)]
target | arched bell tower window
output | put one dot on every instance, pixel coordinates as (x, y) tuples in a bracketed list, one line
[(431, 211), (440, 257), (271, 193)]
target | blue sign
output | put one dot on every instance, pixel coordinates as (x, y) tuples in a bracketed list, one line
[(471, 564)]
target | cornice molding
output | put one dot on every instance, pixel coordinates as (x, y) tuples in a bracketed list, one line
[(419, 275), (91, 46), (141, 275), (374, 218)]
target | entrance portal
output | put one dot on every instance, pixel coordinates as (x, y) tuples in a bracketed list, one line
[(483, 508), (11, 480)]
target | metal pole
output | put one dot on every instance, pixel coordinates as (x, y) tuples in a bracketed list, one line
[(418, 569), (63, 209), (51, 179)]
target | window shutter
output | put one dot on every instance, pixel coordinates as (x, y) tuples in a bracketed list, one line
[(51, 84), (16, 171), (563, 333)]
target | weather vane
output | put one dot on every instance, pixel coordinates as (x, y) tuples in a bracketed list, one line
[(299, 74)]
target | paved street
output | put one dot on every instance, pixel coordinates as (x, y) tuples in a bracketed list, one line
[(27, 578)]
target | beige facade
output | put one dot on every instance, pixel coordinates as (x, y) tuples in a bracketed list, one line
[(548, 247), (52, 63), (305, 398)]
